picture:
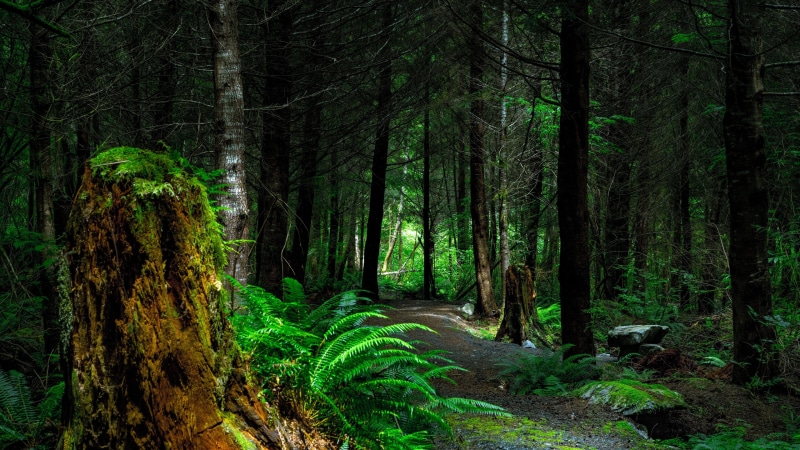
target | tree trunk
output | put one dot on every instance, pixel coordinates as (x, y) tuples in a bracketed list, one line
[(428, 280), (573, 156), (502, 158), (619, 159), (682, 241), (372, 246), (748, 195), (305, 192), (335, 219), (520, 320), (641, 224), (41, 53), (229, 135), (462, 226), (534, 199), (480, 224), (398, 223), (273, 192), (154, 362)]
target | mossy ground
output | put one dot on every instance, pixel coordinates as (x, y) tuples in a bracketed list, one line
[(478, 431)]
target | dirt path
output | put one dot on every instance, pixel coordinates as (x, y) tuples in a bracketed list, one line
[(538, 422)]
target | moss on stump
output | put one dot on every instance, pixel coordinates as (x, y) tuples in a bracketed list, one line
[(153, 361)]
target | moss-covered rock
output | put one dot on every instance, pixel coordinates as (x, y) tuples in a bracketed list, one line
[(631, 397)]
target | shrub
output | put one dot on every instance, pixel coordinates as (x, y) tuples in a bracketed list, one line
[(373, 383), (549, 374)]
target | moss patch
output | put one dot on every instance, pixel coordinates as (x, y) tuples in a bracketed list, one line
[(478, 430), (631, 397)]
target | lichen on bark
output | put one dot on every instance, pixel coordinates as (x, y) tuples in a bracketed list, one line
[(153, 361)]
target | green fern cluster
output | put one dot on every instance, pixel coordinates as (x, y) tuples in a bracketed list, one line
[(374, 383), (22, 421), (549, 374), (730, 438)]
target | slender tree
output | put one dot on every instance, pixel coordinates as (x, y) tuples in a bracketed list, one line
[(377, 192), (486, 304), (229, 143)]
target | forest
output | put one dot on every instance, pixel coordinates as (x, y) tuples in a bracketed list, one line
[(208, 209)]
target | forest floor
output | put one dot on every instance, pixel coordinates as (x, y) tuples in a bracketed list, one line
[(565, 422)]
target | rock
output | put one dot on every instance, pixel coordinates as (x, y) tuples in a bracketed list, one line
[(629, 338), (631, 397), (528, 344), (468, 309)]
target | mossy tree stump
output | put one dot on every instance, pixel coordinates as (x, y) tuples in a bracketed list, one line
[(153, 361), (520, 321)]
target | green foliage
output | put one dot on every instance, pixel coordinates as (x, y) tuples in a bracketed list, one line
[(550, 317), (550, 374), (22, 421), (374, 384), (730, 438), (630, 396)]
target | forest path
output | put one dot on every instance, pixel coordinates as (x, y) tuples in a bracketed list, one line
[(538, 422)]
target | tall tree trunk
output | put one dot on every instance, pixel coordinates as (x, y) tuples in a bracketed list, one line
[(502, 197), (682, 238), (310, 148), (748, 194), (273, 192), (641, 225), (335, 218), (305, 191), (372, 246), (40, 56), (462, 226), (398, 223), (709, 272), (428, 286), (573, 162), (534, 199), (616, 239), (229, 145), (167, 80), (480, 224), (154, 361)]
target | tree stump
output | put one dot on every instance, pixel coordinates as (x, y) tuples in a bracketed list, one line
[(153, 362), (520, 321)]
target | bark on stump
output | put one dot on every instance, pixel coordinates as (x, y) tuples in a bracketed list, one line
[(153, 362), (520, 321)]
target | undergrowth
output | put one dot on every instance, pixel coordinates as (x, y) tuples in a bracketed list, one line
[(550, 374), (729, 438), (25, 422), (330, 361)]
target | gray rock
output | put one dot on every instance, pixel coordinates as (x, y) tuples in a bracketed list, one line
[(629, 338), (468, 309)]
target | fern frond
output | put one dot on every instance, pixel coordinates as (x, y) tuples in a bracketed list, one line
[(349, 322), (293, 291)]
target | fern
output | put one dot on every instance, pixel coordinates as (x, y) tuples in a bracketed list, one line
[(549, 374), (373, 382), (22, 421), (293, 291)]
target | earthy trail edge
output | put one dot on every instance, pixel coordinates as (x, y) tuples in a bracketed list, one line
[(551, 421)]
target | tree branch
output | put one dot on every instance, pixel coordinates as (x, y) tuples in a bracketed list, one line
[(26, 13)]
